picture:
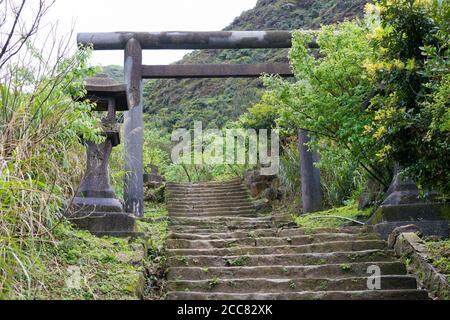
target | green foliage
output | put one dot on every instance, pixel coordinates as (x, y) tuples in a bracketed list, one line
[(412, 113), (177, 103), (319, 220), (214, 282), (328, 99), (114, 72), (105, 271), (41, 157), (440, 255), (156, 225)]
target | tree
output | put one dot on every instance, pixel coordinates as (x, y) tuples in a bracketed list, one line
[(17, 26), (412, 112)]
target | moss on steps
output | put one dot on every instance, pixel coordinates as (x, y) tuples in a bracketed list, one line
[(75, 265)]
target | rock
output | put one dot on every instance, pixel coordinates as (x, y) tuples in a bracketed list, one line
[(270, 194), (371, 194), (257, 188), (411, 228), (153, 179), (262, 205), (258, 183), (410, 246), (155, 195)]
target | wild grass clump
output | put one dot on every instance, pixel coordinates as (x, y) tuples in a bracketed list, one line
[(41, 157), (333, 218)]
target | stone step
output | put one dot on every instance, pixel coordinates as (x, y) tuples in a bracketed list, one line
[(210, 197), (199, 188), (208, 193), (204, 184), (215, 197), (322, 295), (394, 282), (214, 206), (207, 187), (338, 246), (219, 219), (212, 209), (228, 227), (306, 259), (266, 241), (215, 213), (236, 179), (209, 203), (332, 271), (195, 234), (219, 248)]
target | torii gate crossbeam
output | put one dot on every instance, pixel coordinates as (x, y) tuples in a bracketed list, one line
[(134, 42)]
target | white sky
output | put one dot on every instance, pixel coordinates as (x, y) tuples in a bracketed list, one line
[(145, 15)]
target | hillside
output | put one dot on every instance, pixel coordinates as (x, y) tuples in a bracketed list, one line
[(177, 103)]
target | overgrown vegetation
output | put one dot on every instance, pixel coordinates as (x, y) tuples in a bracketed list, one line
[(333, 218), (42, 125), (155, 225), (371, 95), (83, 267), (440, 255), (40, 128), (411, 108)]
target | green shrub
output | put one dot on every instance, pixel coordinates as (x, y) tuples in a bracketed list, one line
[(41, 157), (412, 113)]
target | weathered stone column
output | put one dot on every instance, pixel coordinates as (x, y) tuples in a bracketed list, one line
[(95, 191), (310, 176), (134, 134)]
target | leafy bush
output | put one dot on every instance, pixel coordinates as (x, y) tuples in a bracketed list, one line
[(412, 113), (329, 99), (41, 157)]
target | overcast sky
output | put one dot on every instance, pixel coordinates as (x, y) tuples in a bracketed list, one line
[(145, 15)]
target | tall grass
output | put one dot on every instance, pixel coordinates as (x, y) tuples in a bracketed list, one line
[(41, 158)]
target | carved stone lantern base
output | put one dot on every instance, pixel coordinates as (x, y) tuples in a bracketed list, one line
[(95, 207), (404, 206)]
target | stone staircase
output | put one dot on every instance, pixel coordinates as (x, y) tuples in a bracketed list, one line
[(219, 249)]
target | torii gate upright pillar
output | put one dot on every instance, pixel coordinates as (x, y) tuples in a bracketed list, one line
[(134, 130), (310, 175)]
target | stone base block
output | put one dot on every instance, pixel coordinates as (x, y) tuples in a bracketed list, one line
[(117, 234), (87, 204), (439, 228), (106, 223), (411, 212), (432, 218)]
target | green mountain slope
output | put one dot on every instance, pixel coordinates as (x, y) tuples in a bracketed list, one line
[(177, 103)]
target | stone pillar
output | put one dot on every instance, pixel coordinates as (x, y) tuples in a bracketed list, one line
[(95, 193), (134, 134), (310, 176)]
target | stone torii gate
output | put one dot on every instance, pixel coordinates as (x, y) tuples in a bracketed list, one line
[(134, 42)]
